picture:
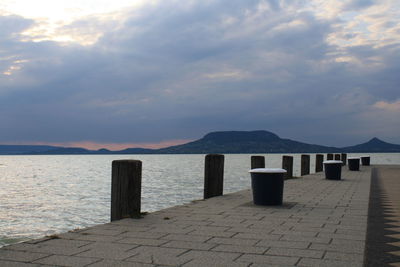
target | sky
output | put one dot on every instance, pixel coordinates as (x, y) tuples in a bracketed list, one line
[(118, 74)]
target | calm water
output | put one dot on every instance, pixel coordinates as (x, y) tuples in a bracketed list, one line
[(43, 195)]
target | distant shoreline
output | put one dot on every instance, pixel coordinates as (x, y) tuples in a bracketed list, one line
[(229, 142)]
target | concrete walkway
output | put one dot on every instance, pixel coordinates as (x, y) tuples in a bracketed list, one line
[(322, 223)]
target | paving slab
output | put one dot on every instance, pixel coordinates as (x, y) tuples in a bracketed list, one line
[(4, 263), (321, 223), (58, 260)]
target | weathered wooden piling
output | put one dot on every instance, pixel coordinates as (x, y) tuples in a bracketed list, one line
[(329, 156), (126, 187), (337, 156), (344, 158), (305, 164), (257, 162), (319, 165), (213, 175), (287, 164)]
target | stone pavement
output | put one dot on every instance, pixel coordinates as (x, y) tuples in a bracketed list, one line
[(322, 223)]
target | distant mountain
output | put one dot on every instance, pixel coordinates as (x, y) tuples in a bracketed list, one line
[(136, 151), (23, 149), (373, 145), (67, 151), (245, 142), (215, 142), (47, 150)]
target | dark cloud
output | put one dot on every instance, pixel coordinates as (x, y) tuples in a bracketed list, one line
[(172, 71)]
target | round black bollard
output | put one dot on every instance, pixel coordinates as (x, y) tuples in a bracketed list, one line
[(333, 169), (354, 163), (267, 186), (365, 160)]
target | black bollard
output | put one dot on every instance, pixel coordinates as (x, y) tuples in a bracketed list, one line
[(365, 160), (257, 162), (213, 175), (344, 158), (319, 166), (287, 164), (305, 164), (126, 187), (354, 163)]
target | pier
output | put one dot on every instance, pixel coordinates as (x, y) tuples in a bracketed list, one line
[(351, 222)]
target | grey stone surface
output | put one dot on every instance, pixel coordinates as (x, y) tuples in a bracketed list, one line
[(306, 262), (212, 233), (58, 260), (260, 235), (108, 232), (22, 256), (307, 253), (142, 241), (48, 249), (344, 256), (338, 248), (210, 256), (322, 240), (321, 223), (112, 251), (158, 255), (180, 237), (4, 263), (116, 263), (282, 260), (233, 241), (189, 245), (150, 235), (89, 237), (240, 249), (215, 262), (283, 244)]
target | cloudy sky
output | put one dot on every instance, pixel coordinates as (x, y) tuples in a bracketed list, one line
[(124, 73)]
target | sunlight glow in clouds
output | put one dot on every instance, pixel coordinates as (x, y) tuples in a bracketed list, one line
[(17, 65), (67, 10), (53, 19), (378, 25), (394, 106)]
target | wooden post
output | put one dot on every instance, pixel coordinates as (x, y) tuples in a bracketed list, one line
[(126, 187), (287, 164), (257, 162), (344, 158), (329, 156), (337, 156), (319, 166), (305, 164), (213, 175)]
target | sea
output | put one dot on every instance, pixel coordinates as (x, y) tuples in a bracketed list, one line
[(43, 195)]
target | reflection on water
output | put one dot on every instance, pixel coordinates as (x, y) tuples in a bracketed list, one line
[(43, 195)]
